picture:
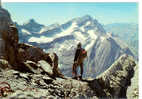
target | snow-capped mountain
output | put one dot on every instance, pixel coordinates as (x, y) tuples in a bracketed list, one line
[(103, 49)]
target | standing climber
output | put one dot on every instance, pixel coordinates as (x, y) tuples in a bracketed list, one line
[(80, 55)]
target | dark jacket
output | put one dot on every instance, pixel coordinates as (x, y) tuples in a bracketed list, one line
[(77, 53)]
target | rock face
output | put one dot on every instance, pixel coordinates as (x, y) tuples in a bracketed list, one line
[(4, 21), (8, 37), (133, 90), (112, 83)]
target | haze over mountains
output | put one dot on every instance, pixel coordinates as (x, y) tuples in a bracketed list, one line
[(103, 48), (127, 32)]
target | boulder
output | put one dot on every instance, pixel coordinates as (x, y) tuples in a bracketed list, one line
[(46, 67), (31, 66), (29, 52), (4, 64)]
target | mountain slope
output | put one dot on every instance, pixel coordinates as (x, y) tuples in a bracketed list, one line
[(127, 32)]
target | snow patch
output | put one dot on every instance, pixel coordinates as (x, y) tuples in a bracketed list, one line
[(68, 31), (26, 31), (44, 29), (74, 24), (88, 47), (102, 38), (109, 34), (79, 36), (41, 39), (88, 23), (82, 29), (92, 34)]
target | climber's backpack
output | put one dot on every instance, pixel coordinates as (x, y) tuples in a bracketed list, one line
[(84, 53)]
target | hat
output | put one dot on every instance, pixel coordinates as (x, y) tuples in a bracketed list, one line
[(79, 44)]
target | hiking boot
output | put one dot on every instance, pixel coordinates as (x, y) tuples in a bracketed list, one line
[(75, 77), (79, 78)]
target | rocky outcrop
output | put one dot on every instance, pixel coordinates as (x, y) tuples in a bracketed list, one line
[(4, 21), (112, 83), (118, 77), (8, 37), (35, 60), (23, 57), (4, 64)]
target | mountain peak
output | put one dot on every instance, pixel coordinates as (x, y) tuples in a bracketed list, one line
[(32, 25), (83, 18), (87, 17), (31, 21)]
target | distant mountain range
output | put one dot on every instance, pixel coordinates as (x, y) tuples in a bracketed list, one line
[(127, 32), (103, 48)]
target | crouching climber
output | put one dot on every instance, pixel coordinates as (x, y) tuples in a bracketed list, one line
[(52, 59), (80, 55)]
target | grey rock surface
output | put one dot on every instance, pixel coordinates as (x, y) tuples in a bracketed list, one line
[(112, 83), (133, 90)]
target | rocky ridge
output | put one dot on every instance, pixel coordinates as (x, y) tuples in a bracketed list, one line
[(113, 83)]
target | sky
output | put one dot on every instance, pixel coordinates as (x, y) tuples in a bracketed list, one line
[(50, 13)]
